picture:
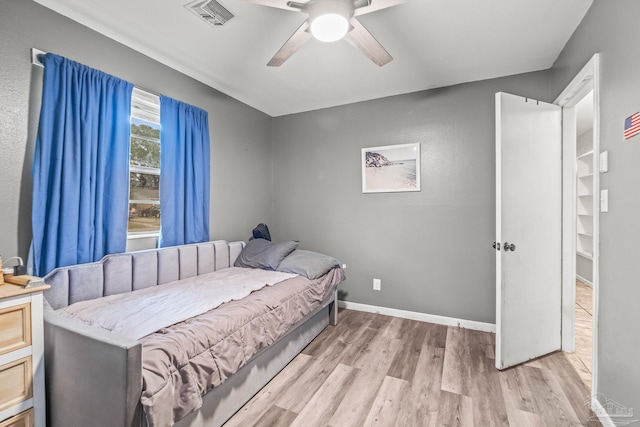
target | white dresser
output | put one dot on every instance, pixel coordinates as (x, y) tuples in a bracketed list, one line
[(22, 399)]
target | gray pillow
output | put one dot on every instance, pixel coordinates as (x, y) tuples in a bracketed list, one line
[(308, 264), (261, 253)]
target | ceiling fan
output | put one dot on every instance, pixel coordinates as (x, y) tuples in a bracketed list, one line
[(332, 20)]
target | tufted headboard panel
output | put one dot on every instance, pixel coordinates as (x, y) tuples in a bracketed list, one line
[(119, 273)]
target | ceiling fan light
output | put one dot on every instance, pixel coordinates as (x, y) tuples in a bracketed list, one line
[(329, 27)]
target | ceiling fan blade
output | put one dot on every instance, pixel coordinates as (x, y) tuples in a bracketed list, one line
[(280, 4), (291, 46), (374, 5), (363, 40), (302, 7)]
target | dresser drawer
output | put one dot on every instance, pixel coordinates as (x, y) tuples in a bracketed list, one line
[(15, 382), (23, 419), (15, 328)]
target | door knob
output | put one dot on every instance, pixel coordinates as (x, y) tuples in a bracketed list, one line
[(509, 247), (496, 245)]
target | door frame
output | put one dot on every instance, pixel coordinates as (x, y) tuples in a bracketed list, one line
[(588, 79)]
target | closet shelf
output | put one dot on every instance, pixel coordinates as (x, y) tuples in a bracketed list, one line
[(587, 154), (585, 254), (586, 175)]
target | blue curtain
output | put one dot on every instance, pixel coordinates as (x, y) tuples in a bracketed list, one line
[(81, 166), (184, 173)]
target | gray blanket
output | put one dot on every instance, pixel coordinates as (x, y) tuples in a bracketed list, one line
[(184, 361), (140, 313)]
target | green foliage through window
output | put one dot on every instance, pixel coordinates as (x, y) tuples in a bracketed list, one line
[(144, 152), (145, 130), (144, 163)]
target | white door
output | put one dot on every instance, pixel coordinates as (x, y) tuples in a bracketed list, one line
[(528, 228)]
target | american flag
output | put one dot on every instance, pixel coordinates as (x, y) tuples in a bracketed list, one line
[(632, 126)]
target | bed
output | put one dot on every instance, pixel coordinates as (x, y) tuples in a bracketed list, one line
[(197, 370)]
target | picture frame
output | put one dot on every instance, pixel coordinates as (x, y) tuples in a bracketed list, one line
[(391, 168)]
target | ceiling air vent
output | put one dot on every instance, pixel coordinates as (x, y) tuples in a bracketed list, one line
[(210, 11)]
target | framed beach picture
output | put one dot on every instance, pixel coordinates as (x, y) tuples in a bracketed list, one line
[(391, 168)]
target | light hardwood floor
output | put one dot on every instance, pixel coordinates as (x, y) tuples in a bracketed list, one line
[(581, 359), (375, 370)]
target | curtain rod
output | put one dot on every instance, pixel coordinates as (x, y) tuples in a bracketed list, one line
[(35, 53), (35, 60)]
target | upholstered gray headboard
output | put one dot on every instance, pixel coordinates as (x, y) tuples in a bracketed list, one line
[(125, 272)]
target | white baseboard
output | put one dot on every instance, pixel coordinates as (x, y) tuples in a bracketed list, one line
[(583, 280), (422, 317), (601, 413)]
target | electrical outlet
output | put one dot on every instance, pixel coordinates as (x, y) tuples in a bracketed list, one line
[(376, 284), (344, 266)]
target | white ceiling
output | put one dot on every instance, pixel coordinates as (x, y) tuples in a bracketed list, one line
[(434, 43)]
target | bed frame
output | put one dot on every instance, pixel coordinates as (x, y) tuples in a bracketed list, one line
[(94, 376)]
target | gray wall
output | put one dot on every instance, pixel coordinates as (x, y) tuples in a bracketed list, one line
[(240, 135), (431, 249), (610, 28)]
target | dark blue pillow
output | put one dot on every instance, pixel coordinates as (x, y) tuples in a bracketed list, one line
[(261, 232)]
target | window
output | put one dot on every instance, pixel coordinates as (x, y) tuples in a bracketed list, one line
[(144, 164)]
